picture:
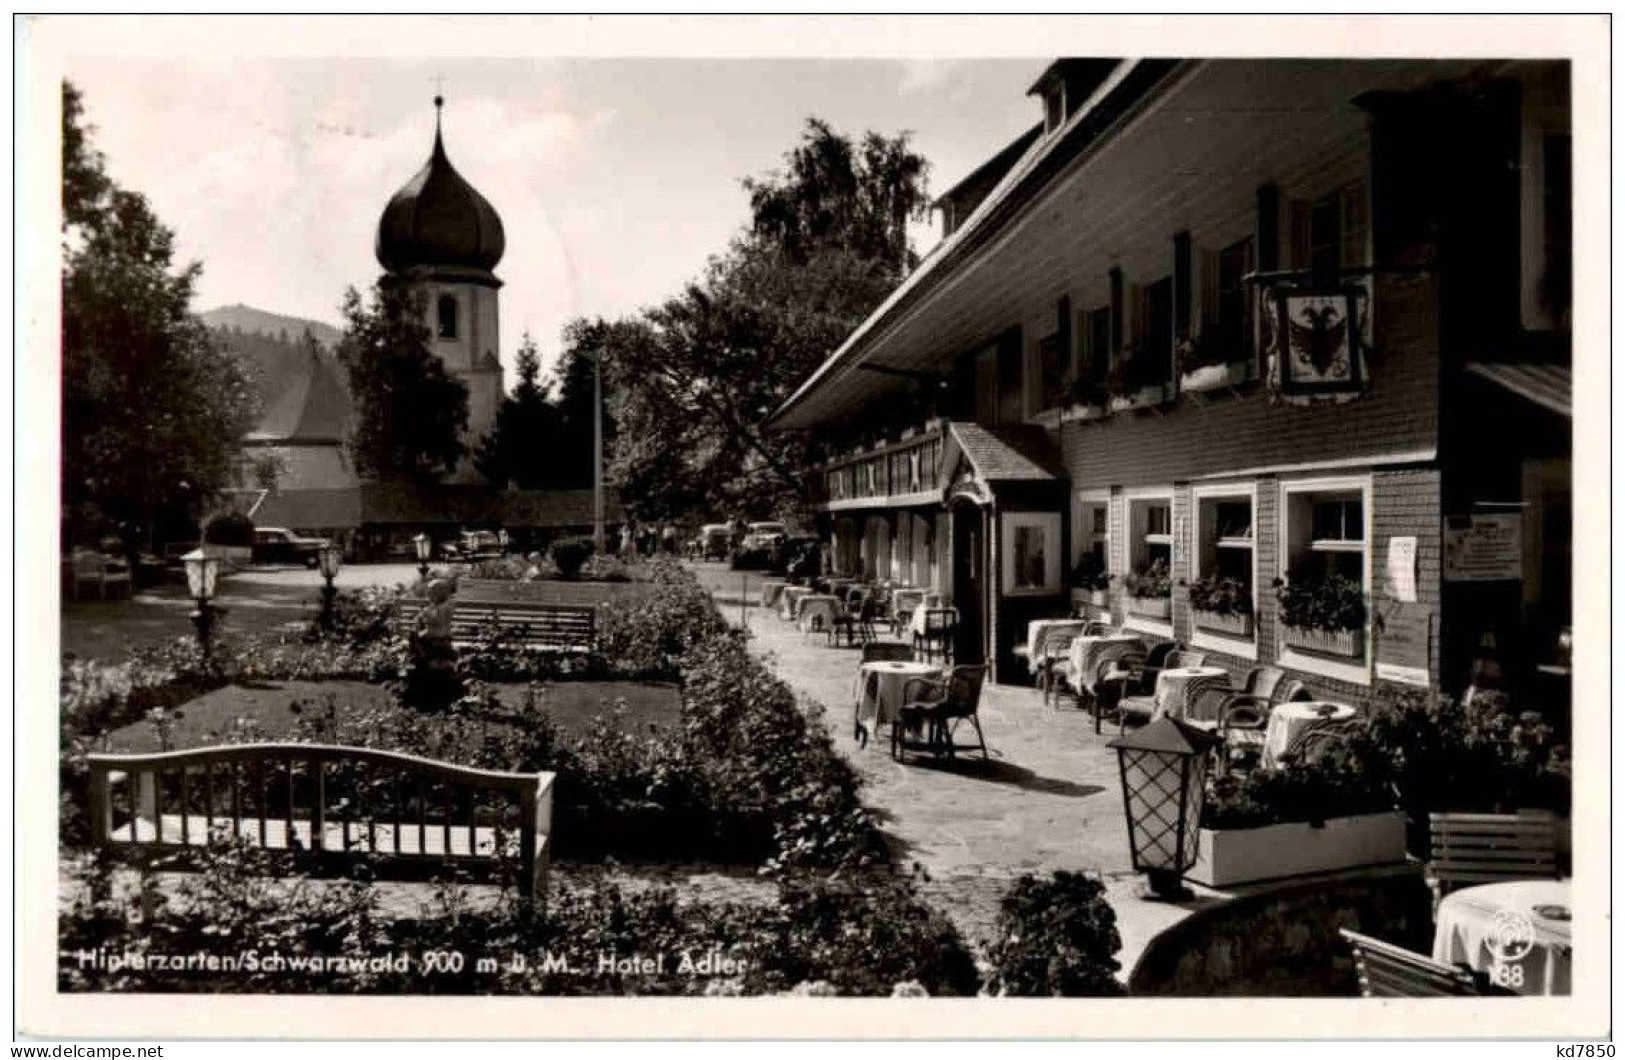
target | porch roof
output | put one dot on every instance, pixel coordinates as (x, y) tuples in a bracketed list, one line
[(1003, 454), (1551, 386)]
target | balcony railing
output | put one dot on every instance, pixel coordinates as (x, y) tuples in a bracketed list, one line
[(897, 469)]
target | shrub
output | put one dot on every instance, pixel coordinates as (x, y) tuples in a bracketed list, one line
[(1342, 783), (1221, 595), (1332, 603), (1151, 580), (1090, 573), (570, 554), (1055, 938), (648, 634)]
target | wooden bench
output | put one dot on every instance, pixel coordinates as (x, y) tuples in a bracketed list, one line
[(563, 628), (327, 807), (1386, 970), (1474, 848)]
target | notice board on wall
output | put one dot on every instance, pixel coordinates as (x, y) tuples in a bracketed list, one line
[(1402, 569), (1483, 547)]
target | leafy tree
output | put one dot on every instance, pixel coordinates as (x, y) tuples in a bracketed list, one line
[(154, 411), (583, 341), (524, 442), (697, 376), (409, 413)]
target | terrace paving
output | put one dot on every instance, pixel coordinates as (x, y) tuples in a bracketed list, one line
[(1048, 799)]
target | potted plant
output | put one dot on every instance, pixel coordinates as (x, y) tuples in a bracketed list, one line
[(1324, 614), (1090, 581), (1204, 363), (1127, 383), (1222, 604), (1336, 812), (1149, 589)]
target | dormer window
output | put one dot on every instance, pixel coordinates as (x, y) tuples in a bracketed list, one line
[(446, 317)]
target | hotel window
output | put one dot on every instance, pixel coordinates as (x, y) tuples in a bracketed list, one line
[(1031, 564), (1232, 303), (1094, 344), (1091, 538), (1222, 582), (1051, 372), (1155, 359), (1148, 584), (446, 317), (1330, 233), (1325, 560)]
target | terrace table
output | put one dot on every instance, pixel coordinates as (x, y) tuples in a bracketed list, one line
[(904, 602), (817, 611), (789, 599), (1289, 720), (1518, 933), (771, 591), (1169, 697), (1038, 627), (880, 689), (1086, 654)]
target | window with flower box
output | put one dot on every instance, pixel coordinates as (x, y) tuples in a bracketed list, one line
[(1091, 540), (1325, 576), (1148, 582), (1223, 580)]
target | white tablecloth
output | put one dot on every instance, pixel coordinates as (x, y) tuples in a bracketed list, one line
[(1087, 651), (880, 689), (1509, 932), (907, 601), (787, 600), (817, 611), (917, 623), (1170, 693), (1290, 719), (1038, 627), (771, 591)]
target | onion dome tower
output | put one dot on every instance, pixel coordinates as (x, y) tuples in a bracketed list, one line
[(441, 236)]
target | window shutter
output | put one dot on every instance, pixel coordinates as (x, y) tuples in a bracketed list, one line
[(1298, 234), (1354, 226), (1210, 288)]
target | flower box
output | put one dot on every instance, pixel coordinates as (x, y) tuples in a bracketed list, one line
[(1344, 643), (1245, 855), (1213, 377), (1236, 624), (1096, 598), (1084, 413), (1157, 607)]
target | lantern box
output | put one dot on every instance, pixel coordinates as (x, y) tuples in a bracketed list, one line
[(1231, 856)]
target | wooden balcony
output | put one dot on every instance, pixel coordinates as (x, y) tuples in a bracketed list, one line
[(892, 474)]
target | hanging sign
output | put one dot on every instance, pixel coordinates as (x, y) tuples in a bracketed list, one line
[(1483, 548)]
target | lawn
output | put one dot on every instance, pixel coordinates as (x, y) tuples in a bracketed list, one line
[(272, 709)]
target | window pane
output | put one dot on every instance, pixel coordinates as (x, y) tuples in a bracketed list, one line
[(1157, 519)]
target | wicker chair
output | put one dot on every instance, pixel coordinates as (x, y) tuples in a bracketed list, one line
[(937, 640), (1243, 716), (1053, 648), (935, 709), (1138, 689)]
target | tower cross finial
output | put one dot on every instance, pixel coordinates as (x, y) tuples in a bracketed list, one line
[(439, 98)]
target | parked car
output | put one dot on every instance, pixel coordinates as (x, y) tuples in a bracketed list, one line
[(479, 544), (762, 541), (790, 552), (275, 544), (714, 541)]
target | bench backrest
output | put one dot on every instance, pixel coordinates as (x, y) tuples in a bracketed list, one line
[(566, 627), (1386, 970), (324, 799), (1469, 848)]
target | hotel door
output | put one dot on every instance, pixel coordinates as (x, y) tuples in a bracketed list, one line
[(970, 581)]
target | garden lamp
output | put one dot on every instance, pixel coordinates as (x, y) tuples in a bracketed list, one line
[(330, 557), (202, 570), (1164, 771), (423, 545), (502, 540)]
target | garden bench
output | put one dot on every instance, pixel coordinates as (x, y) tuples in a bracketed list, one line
[(1386, 970), (327, 807), (1474, 848), (563, 628)]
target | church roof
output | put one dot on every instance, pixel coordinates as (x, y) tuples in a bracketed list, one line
[(438, 221), (312, 409)]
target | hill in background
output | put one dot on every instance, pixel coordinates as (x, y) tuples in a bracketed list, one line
[(272, 347), (253, 321)]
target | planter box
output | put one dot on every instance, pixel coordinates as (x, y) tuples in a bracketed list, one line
[(1096, 598), (1157, 607), (1246, 855), (1213, 377), (1344, 644), (1237, 625), (1084, 413)]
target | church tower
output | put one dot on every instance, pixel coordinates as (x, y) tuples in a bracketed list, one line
[(443, 238)]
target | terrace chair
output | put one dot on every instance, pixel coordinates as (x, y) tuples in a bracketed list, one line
[(1053, 648), (903, 603), (817, 616), (937, 640), (1061, 677), (936, 708), (1473, 848), (1386, 970), (873, 651), (1137, 685), (857, 619)]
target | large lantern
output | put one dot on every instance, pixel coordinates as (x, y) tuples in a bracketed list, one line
[(330, 557), (1164, 772), (202, 570), (423, 546)]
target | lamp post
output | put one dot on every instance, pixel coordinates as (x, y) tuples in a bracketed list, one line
[(502, 540), (1164, 770), (202, 570), (423, 546), (330, 557)]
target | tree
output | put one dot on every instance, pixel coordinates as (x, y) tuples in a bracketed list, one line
[(154, 411), (827, 242), (583, 342), (524, 441), (409, 413)]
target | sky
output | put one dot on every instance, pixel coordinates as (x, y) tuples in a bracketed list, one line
[(615, 178)]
